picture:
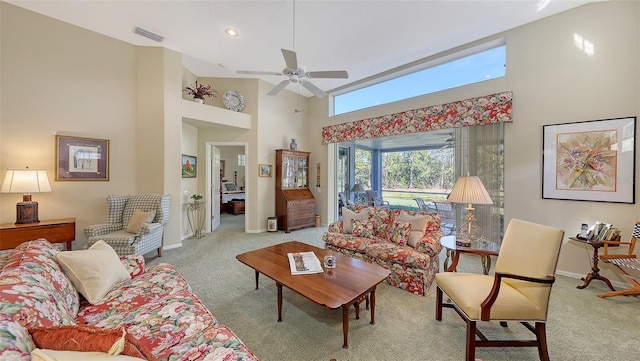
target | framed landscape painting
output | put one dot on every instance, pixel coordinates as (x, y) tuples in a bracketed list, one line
[(590, 161), (264, 170), (81, 159), (189, 166)]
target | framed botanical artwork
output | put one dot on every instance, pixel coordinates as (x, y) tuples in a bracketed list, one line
[(189, 166), (590, 161), (264, 170), (82, 159)]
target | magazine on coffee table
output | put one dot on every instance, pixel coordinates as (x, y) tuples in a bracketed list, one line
[(303, 263)]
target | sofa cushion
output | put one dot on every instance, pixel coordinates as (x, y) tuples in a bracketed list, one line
[(55, 355), (82, 338), (219, 344), (362, 228), (138, 219), (418, 226), (399, 233), (34, 290), (383, 219), (158, 281), (348, 216), (93, 271), (394, 253), (349, 242), (163, 322)]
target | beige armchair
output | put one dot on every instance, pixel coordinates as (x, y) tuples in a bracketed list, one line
[(135, 224), (519, 290)]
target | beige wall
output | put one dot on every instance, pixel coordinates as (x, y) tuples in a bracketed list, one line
[(553, 82), (57, 79)]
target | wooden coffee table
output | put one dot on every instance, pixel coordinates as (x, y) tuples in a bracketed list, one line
[(348, 284)]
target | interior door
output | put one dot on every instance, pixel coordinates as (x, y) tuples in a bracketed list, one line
[(215, 188)]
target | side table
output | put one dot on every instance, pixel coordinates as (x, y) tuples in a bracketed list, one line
[(485, 249), (61, 230), (595, 270), (195, 215)]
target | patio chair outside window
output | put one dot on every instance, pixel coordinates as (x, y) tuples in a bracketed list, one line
[(447, 217), (374, 200)]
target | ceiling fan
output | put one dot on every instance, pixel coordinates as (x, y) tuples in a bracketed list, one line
[(298, 73)]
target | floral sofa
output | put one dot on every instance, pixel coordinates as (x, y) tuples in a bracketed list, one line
[(405, 242), (161, 318)]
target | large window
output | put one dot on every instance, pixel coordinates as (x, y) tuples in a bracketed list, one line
[(469, 69)]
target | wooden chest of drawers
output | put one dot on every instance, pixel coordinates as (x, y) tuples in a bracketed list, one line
[(295, 209)]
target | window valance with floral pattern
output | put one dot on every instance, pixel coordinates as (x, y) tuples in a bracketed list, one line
[(464, 113)]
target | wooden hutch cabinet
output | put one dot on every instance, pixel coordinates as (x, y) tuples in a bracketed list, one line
[(295, 205)]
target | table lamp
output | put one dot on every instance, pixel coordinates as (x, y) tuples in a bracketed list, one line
[(469, 190), (26, 181), (357, 189)]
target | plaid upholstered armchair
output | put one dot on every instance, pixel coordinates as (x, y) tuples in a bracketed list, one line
[(135, 224)]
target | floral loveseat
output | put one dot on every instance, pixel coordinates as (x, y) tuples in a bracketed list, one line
[(163, 320), (405, 242)]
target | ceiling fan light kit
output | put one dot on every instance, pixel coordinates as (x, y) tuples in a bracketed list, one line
[(297, 73)]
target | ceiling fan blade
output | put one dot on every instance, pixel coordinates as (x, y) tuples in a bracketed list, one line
[(283, 84), (341, 74), (258, 72), (290, 58), (314, 89)]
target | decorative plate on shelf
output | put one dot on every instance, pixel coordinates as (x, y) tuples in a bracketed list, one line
[(233, 100)]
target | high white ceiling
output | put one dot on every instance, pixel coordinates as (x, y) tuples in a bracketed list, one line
[(364, 37)]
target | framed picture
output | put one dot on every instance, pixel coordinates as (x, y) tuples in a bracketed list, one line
[(82, 159), (222, 169), (264, 170), (590, 161), (189, 166)]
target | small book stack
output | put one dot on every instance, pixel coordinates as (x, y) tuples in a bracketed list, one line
[(603, 232), (304, 263)]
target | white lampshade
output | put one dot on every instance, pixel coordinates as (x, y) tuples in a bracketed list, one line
[(469, 190), (25, 181)]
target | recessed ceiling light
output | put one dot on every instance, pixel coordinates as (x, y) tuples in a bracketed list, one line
[(231, 32)]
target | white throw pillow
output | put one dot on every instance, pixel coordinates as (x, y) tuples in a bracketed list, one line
[(93, 271), (53, 355), (348, 216), (138, 219), (418, 226)]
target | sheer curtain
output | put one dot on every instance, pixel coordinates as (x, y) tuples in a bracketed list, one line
[(480, 151)]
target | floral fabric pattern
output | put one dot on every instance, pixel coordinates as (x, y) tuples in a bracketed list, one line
[(399, 233), (363, 228), (156, 307), (488, 109), (412, 268)]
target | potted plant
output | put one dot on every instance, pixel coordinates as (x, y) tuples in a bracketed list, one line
[(199, 91), (197, 197)]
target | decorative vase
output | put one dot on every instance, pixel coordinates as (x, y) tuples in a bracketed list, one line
[(198, 100), (293, 145)]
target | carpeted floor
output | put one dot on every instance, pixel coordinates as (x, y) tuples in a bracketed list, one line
[(581, 326)]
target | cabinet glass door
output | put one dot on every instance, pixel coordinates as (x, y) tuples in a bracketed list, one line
[(302, 173), (288, 171)]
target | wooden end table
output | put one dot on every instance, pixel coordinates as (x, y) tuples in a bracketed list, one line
[(351, 282), (595, 270), (485, 249), (61, 230)]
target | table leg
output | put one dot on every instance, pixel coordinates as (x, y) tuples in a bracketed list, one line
[(279, 286), (486, 263), (446, 260), (595, 273), (454, 263), (373, 306), (257, 274), (345, 325)]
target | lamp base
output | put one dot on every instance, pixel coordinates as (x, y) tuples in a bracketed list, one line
[(27, 212), (463, 243)]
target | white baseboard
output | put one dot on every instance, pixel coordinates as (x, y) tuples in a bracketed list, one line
[(616, 284), (172, 246)]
